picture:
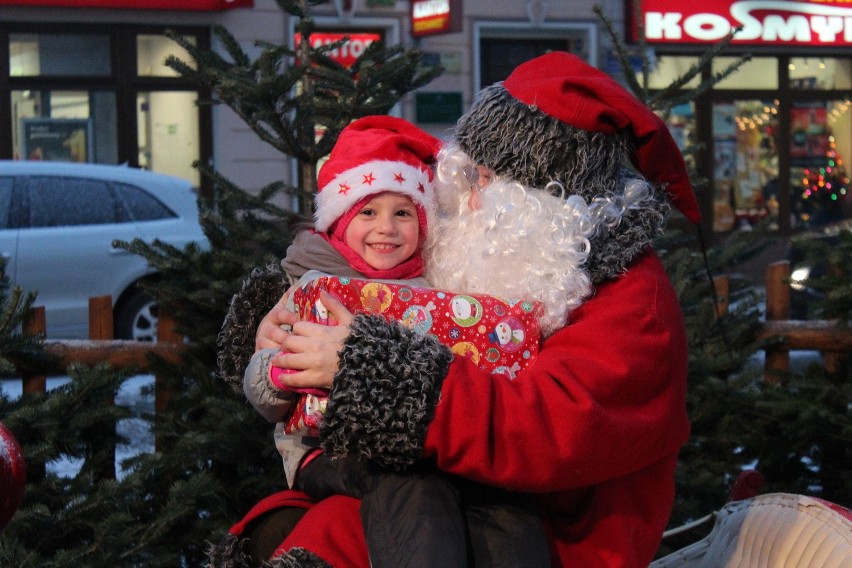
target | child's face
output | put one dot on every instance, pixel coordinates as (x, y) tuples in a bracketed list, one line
[(386, 231)]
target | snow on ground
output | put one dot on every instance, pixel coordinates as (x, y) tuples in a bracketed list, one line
[(135, 429)]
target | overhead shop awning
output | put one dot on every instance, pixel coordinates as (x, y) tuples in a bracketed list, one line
[(195, 5)]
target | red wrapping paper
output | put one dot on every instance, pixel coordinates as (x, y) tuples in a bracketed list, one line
[(501, 336)]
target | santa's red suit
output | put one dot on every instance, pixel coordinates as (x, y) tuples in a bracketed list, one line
[(594, 427)]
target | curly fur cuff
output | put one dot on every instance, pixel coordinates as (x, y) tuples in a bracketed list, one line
[(231, 553), (385, 392), (235, 343), (297, 558)]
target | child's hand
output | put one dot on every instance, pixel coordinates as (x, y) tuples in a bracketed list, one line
[(270, 334), (313, 348)]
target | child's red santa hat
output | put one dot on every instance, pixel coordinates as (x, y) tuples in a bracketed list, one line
[(373, 155), (524, 129)]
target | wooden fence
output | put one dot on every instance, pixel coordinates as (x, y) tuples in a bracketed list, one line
[(101, 347), (825, 336), (833, 341)]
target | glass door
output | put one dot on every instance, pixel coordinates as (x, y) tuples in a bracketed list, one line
[(168, 135)]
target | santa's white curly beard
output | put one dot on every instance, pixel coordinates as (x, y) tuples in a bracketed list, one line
[(521, 243)]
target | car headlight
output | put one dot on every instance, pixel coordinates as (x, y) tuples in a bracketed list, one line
[(798, 278)]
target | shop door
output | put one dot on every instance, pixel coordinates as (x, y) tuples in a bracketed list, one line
[(167, 123)]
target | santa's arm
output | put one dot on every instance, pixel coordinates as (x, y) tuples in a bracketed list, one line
[(384, 393), (606, 396)]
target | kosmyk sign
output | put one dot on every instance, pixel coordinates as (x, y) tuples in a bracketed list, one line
[(772, 22)]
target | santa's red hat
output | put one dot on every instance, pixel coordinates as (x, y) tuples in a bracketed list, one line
[(560, 93), (373, 155)]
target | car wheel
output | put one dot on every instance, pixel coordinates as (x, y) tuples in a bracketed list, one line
[(136, 318)]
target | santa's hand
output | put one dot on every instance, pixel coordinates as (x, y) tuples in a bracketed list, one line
[(312, 349), (270, 334)]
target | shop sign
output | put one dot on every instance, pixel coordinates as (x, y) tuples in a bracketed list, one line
[(349, 51), (431, 17), (815, 23), (196, 5)]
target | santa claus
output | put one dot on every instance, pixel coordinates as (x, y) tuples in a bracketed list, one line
[(556, 184)]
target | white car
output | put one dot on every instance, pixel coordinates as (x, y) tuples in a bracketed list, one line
[(58, 222)]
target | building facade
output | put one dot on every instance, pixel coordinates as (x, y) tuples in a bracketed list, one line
[(771, 139)]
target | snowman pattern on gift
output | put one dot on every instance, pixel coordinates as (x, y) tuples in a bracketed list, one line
[(508, 334)]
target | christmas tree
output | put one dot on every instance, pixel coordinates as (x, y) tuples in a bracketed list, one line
[(821, 196)]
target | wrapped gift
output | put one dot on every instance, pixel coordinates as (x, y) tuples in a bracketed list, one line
[(500, 335), (307, 415)]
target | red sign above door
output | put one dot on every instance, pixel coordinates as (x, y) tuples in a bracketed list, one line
[(349, 51), (817, 23), (195, 5)]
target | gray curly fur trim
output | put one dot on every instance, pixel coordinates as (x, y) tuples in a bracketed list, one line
[(231, 553), (520, 142), (235, 343), (297, 558), (385, 392), (613, 249)]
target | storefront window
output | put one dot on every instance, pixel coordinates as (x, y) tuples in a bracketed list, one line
[(681, 122), (32, 55), (820, 73), (167, 124), (819, 147), (666, 68), (66, 126), (745, 164), (151, 53), (756, 73), (501, 55)]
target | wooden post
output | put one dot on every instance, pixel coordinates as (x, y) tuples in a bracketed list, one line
[(165, 334), (722, 285), (831, 360), (100, 318), (34, 324), (777, 308), (31, 384), (101, 328)]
